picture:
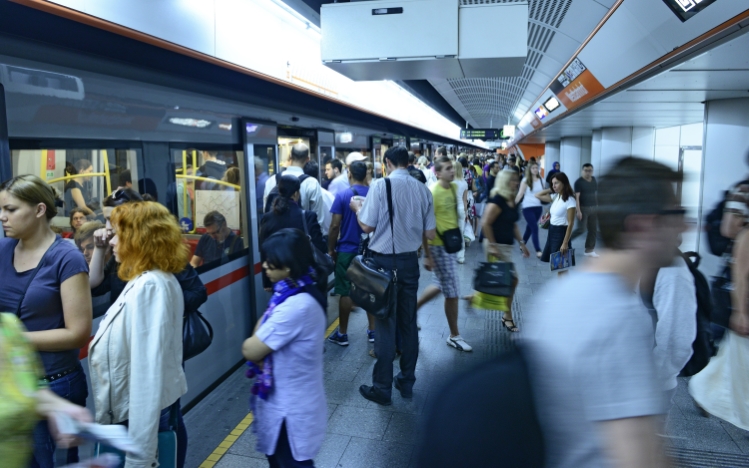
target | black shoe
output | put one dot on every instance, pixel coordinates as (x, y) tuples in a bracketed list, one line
[(372, 395), (404, 393)]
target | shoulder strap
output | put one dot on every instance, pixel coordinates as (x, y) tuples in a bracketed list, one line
[(390, 212), (303, 177), (304, 221), (58, 239)]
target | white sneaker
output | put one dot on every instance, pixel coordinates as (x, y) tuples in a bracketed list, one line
[(459, 343), (591, 254)]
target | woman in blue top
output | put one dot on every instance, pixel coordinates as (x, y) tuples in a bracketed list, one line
[(286, 355), (45, 283)]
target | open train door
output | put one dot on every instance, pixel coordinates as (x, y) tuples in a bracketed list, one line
[(260, 140)]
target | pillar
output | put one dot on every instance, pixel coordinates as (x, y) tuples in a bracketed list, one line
[(571, 152), (617, 142), (725, 159), (595, 150)]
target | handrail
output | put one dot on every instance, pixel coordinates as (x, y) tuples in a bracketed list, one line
[(208, 179), (76, 176)]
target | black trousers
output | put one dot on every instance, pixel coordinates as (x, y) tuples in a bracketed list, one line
[(402, 319), (589, 223)]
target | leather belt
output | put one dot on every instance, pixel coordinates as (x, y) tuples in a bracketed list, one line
[(59, 375)]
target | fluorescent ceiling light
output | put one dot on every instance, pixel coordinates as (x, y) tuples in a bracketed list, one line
[(224, 126), (188, 122), (345, 137), (552, 104)]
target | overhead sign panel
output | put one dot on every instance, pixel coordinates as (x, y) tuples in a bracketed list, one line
[(480, 134), (685, 9), (576, 85)]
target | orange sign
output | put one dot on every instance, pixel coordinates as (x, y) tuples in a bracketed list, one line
[(581, 90)]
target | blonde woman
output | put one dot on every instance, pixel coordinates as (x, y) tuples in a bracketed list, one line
[(499, 225), (428, 173), (135, 359)]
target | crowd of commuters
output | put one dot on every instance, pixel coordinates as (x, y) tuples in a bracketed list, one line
[(136, 253)]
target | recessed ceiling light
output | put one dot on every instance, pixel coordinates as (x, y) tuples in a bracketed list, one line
[(188, 122)]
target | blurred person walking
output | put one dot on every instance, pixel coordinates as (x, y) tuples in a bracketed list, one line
[(562, 211), (394, 248), (722, 388), (599, 396), (45, 284), (343, 245), (500, 233), (531, 185), (286, 356), (586, 188), (135, 359), (462, 195), (436, 257)]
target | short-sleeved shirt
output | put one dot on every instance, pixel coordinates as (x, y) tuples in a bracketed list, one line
[(597, 367), (587, 191), (412, 213), (351, 232), (210, 249), (504, 226), (529, 198), (445, 210), (42, 305), (559, 209), (295, 332)]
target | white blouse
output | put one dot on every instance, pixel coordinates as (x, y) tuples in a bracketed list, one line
[(559, 209)]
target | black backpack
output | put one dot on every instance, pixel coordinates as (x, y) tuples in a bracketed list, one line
[(702, 348), (497, 425), (274, 192)]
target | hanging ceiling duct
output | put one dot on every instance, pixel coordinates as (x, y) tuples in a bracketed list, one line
[(424, 39)]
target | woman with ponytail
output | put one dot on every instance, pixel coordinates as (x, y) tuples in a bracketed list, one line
[(286, 213)]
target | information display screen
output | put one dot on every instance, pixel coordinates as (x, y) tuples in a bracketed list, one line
[(685, 9), (479, 134)]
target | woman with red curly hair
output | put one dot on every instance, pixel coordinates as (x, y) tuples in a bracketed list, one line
[(136, 355)]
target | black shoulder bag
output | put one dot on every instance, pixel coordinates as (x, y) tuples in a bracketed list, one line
[(374, 289), (197, 334), (58, 239), (453, 238)]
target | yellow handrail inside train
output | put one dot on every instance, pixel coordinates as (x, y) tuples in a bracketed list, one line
[(208, 179), (77, 176)]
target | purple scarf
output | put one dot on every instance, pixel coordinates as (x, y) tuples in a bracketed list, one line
[(282, 290)]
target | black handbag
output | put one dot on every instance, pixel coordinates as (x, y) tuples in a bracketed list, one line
[(452, 239), (494, 278), (374, 289), (197, 334), (323, 262), (720, 288)]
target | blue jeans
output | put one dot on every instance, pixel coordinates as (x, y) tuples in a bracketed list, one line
[(283, 457), (181, 430), (532, 215), (73, 388)]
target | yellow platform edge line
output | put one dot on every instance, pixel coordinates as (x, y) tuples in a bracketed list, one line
[(239, 429)]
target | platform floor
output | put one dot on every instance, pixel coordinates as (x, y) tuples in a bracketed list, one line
[(363, 434)]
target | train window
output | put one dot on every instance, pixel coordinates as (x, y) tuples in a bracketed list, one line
[(81, 178), (265, 167), (208, 199)]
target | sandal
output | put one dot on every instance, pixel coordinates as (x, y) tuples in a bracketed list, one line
[(513, 328)]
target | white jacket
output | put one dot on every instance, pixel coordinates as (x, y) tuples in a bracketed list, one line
[(135, 360)]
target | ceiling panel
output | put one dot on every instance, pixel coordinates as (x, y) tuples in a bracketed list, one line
[(581, 18)]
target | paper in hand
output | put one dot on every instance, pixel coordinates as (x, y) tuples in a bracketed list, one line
[(112, 435)]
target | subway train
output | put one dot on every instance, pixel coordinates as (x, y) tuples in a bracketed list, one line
[(82, 120)]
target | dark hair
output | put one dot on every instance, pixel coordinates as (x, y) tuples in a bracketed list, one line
[(632, 186), (32, 190), (336, 164), (121, 196), (493, 163), (288, 185), (214, 217), (567, 191), (418, 175), (587, 165), (148, 186), (441, 151), (312, 169), (82, 164), (125, 178), (299, 152), (463, 162), (73, 212), (232, 175), (398, 156), (411, 157), (289, 248), (358, 171)]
